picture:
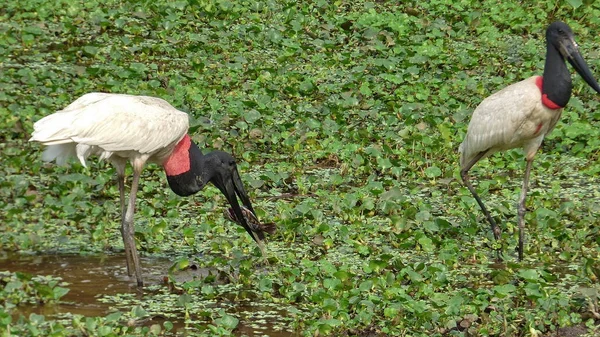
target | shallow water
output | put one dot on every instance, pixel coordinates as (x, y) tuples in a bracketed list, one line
[(94, 276)]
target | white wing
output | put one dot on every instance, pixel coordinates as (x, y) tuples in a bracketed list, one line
[(108, 124), (510, 118)]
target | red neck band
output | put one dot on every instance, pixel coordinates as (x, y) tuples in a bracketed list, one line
[(545, 100), (179, 160)]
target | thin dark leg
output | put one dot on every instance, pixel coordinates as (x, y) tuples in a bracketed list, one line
[(464, 174), (522, 209)]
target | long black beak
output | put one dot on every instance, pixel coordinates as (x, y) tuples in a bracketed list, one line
[(570, 51), (232, 187), (238, 187)]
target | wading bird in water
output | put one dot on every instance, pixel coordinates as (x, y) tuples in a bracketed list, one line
[(522, 114), (141, 129)]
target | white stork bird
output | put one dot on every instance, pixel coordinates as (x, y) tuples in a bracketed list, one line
[(140, 129), (522, 114)]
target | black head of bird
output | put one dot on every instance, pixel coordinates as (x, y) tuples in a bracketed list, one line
[(220, 169), (561, 46)]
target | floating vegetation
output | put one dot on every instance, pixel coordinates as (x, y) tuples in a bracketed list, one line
[(345, 119)]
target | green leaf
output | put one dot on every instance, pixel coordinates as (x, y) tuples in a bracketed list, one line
[(228, 321), (13, 286), (366, 285), (365, 90), (426, 244), (265, 284), (252, 116), (139, 312), (393, 193), (36, 319), (105, 330), (504, 290), (184, 299), (91, 324), (529, 274), (59, 292), (433, 172), (91, 50), (114, 317), (342, 275)]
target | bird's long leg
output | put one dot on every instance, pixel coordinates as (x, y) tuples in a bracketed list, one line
[(521, 207), (129, 228), (120, 167), (464, 174)]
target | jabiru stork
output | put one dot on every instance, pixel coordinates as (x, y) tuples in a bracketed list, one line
[(522, 114), (141, 129)]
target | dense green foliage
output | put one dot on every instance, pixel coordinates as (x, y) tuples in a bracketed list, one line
[(345, 118)]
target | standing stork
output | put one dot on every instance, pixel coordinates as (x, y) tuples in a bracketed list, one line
[(522, 114), (140, 129)]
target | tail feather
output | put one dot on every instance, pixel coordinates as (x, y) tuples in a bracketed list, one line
[(53, 129), (461, 151), (55, 132), (59, 152)]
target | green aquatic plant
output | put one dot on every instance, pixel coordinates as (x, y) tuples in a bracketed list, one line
[(344, 118)]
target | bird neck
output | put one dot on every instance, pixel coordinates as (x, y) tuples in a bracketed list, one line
[(184, 168), (556, 85)]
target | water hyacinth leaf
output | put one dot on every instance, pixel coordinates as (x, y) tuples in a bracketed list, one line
[(181, 264), (13, 286), (433, 172), (531, 275), (392, 194), (265, 284), (533, 291), (5, 318), (90, 323), (208, 290), (426, 244), (91, 50), (139, 312), (252, 116), (331, 283), (342, 275), (184, 299), (155, 329), (504, 290), (36, 319), (168, 325), (105, 330), (366, 285), (228, 321), (114, 317), (60, 292)]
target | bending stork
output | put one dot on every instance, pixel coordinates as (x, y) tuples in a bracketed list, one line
[(140, 129)]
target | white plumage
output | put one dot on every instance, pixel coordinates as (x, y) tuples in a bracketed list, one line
[(513, 117), (109, 125), (142, 129)]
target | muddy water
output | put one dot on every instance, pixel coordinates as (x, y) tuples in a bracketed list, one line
[(91, 277)]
